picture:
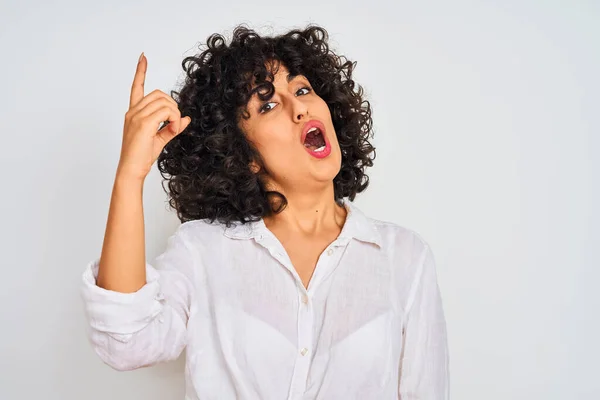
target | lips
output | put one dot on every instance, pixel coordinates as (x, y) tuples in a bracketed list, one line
[(316, 144)]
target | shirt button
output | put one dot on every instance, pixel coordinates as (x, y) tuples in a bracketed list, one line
[(304, 351), (305, 299), (329, 252)]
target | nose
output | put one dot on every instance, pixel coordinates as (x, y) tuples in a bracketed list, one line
[(299, 108)]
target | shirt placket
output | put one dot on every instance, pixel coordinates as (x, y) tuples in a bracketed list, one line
[(325, 266), (305, 319), (305, 344)]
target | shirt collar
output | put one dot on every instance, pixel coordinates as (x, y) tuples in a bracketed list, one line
[(357, 226)]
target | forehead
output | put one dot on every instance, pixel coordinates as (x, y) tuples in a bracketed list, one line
[(281, 74), (278, 68)]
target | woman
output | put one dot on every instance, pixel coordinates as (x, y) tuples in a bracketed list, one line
[(275, 283)]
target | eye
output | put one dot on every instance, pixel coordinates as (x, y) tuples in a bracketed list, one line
[(308, 89), (264, 108)]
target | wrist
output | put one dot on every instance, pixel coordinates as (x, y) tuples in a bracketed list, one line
[(128, 179)]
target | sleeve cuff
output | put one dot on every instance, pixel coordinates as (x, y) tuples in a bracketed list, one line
[(120, 314)]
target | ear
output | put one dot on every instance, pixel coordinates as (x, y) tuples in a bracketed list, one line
[(254, 167)]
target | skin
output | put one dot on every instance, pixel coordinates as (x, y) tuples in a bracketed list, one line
[(310, 222), (123, 258), (312, 219)]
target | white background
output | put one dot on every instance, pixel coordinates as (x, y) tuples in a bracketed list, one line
[(487, 129)]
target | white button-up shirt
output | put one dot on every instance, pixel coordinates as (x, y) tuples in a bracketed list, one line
[(370, 326)]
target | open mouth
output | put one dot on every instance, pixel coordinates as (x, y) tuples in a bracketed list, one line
[(315, 141)]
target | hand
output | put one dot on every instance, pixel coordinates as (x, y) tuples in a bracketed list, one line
[(142, 144)]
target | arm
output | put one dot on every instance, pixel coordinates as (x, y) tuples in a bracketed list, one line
[(121, 266), (142, 328), (138, 315), (424, 365)]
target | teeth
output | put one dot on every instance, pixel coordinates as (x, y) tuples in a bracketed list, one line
[(319, 149), (312, 129)]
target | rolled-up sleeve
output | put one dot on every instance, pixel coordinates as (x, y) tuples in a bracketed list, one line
[(133, 330), (424, 365)]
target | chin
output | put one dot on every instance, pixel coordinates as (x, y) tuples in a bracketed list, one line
[(328, 168)]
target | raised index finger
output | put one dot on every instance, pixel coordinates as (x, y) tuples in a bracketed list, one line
[(137, 88)]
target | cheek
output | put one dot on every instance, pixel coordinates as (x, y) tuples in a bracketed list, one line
[(274, 143), (276, 150)]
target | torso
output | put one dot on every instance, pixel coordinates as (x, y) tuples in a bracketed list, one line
[(251, 331), (305, 249), (304, 253)]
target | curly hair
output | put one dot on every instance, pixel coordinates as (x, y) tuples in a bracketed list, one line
[(207, 166)]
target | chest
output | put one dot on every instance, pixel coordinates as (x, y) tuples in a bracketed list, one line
[(304, 255), (258, 319)]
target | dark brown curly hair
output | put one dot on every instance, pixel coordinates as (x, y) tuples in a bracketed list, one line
[(207, 166)]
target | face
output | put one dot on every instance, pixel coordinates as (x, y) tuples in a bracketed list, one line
[(292, 158)]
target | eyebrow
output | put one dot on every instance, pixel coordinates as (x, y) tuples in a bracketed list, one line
[(291, 77)]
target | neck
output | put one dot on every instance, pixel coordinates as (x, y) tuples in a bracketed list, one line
[(310, 213)]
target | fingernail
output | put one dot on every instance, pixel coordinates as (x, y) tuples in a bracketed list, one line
[(141, 56)]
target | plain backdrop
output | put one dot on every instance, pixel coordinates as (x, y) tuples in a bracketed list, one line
[(486, 121)]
